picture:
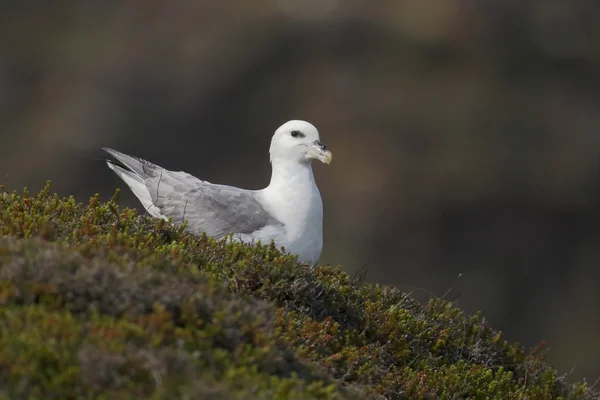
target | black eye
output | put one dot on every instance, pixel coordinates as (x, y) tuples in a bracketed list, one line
[(297, 134)]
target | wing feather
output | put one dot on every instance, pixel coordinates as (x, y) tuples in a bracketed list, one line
[(215, 209)]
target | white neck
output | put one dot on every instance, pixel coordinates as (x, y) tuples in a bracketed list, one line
[(288, 174), (295, 197)]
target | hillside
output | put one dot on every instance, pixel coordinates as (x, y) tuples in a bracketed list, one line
[(99, 302)]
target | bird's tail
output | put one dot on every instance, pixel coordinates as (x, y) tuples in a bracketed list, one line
[(134, 172)]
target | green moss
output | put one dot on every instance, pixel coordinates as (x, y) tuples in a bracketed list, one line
[(99, 302)]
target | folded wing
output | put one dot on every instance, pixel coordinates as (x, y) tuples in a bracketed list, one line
[(217, 210)]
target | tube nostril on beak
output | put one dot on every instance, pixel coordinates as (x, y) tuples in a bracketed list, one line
[(321, 145)]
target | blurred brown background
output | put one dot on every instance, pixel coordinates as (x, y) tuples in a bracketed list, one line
[(465, 133)]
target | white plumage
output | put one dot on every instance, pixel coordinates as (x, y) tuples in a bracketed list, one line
[(289, 211)]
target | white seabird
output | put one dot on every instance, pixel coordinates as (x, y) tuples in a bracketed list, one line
[(289, 211)]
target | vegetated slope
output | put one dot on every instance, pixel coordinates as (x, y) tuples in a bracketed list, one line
[(98, 302)]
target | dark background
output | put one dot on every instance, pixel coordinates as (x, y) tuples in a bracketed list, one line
[(465, 133)]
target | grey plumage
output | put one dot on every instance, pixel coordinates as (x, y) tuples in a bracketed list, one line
[(215, 209)]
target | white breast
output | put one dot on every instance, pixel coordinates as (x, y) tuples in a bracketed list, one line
[(296, 202), (306, 239)]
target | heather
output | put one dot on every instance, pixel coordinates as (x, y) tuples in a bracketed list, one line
[(102, 302)]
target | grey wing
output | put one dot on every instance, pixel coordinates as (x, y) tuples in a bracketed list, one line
[(217, 210)]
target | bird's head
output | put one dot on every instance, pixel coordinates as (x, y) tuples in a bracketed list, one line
[(298, 141)]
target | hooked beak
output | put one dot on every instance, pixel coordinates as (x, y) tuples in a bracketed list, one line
[(318, 151)]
